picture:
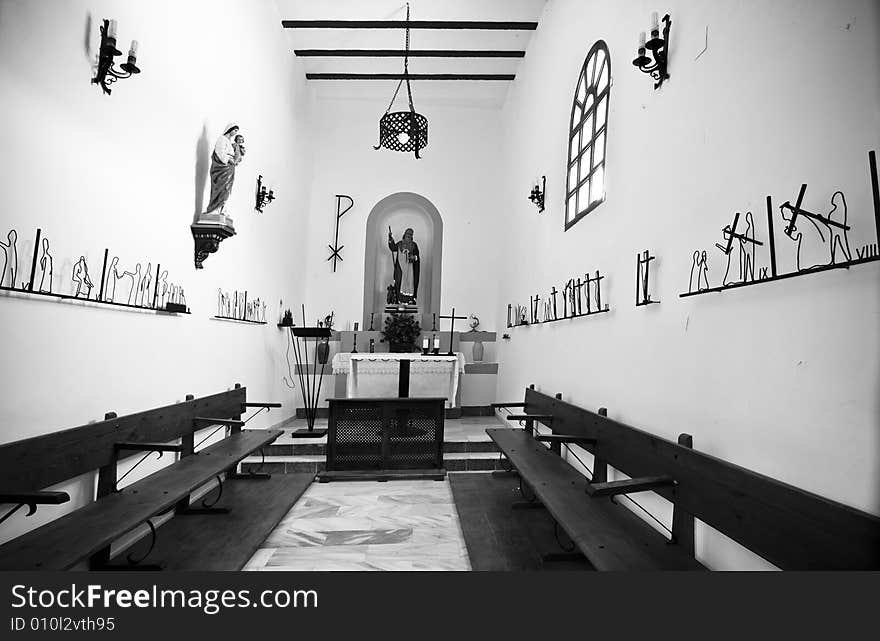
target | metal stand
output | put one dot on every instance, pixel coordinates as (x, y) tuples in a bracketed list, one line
[(309, 381)]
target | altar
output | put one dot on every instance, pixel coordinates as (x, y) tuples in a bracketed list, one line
[(378, 375)]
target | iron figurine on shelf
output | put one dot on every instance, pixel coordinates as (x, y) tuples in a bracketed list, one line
[(643, 270)]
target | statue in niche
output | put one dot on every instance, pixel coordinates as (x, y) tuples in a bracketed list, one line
[(81, 277), (10, 258), (228, 154), (405, 254)]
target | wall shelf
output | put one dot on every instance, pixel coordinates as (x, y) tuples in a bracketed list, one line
[(563, 318), (769, 279), (239, 320), (24, 293)]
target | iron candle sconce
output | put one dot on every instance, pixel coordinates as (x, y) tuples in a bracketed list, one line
[(107, 73), (658, 47), (264, 196), (537, 194)]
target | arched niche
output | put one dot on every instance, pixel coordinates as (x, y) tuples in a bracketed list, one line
[(401, 211)]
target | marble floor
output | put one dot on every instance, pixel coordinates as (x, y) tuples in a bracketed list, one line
[(398, 525)]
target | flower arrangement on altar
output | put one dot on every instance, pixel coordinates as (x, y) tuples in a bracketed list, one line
[(474, 322), (401, 332)]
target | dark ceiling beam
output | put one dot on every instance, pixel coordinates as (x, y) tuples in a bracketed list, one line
[(412, 76), (416, 53), (413, 24)]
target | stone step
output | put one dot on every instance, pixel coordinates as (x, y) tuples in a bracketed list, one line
[(319, 448), (313, 463)]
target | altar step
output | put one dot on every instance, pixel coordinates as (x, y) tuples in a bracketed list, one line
[(465, 452), (313, 463), (320, 448)]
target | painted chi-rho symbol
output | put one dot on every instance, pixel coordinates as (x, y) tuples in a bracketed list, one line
[(335, 248)]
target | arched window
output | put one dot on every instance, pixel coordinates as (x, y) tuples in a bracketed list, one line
[(585, 184)]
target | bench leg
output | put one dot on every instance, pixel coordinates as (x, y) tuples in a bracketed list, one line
[(206, 508), (101, 560)]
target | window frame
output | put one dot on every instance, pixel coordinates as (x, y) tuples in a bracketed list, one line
[(575, 161)]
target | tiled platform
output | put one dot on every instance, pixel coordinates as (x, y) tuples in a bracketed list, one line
[(400, 525)]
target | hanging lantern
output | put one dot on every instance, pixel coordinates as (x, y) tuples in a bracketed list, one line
[(403, 130)]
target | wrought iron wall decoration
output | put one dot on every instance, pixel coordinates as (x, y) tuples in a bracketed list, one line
[(237, 307), (659, 47), (822, 242), (403, 130), (643, 272), (107, 73), (138, 289), (537, 194), (335, 248), (579, 297), (264, 196)]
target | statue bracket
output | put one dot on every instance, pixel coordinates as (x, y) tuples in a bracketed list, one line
[(207, 238)]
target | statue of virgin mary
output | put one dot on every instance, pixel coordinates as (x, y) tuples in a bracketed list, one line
[(228, 153)]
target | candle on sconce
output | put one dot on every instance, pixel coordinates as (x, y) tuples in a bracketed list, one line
[(641, 41), (111, 29), (655, 24), (132, 52)]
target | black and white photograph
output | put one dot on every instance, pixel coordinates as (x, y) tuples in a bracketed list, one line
[(466, 377)]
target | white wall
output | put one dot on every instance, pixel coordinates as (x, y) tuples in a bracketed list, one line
[(96, 171), (781, 378), (458, 172)]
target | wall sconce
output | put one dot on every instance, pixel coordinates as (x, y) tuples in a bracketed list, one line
[(264, 197), (537, 194), (659, 47), (107, 74)]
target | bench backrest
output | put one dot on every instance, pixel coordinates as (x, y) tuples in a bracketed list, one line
[(39, 462), (788, 526)]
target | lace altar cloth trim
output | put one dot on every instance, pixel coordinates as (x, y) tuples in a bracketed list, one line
[(390, 363)]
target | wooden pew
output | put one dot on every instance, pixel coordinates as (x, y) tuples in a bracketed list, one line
[(28, 466), (787, 526)]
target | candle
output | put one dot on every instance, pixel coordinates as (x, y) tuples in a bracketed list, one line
[(654, 22), (355, 326), (641, 41), (436, 342), (425, 343), (111, 30), (132, 52)]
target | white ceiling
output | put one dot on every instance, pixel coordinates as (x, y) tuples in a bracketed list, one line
[(488, 93)]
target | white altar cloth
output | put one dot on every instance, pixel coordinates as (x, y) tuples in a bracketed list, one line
[(377, 375)]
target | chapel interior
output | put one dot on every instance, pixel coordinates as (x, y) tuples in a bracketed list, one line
[(440, 285)]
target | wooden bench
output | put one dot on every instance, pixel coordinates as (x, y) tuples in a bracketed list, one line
[(86, 534), (787, 526)]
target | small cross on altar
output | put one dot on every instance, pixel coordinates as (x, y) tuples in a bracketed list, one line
[(452, 318)]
